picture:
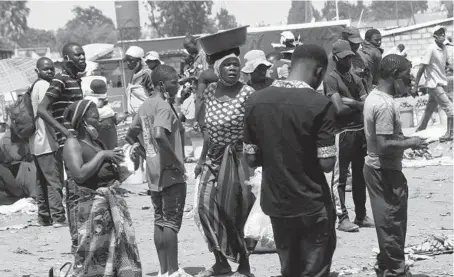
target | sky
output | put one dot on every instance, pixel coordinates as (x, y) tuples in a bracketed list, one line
[(247, 12)]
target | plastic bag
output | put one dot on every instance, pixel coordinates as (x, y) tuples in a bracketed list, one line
[(258, 225), (127, 166)]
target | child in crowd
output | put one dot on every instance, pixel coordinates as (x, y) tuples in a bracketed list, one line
[(108, 118)]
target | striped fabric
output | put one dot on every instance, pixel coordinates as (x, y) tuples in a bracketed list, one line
[(225, 201), (63, 90)]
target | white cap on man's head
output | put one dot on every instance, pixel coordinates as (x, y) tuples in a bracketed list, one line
[(253, 59), (153, 56), (135, 51), (438, 28)]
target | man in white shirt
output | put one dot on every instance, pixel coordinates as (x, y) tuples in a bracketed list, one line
[(433, 66), (136, 91), (43, 147)]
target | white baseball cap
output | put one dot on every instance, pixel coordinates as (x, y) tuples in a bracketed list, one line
[(153, 56), (135, 51), (438, 28), (253, 59)]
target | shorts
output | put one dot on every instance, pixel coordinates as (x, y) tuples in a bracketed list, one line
[(168, 206)]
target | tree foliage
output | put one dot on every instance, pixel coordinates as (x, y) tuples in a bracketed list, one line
[(89, 25), (298, 13), (177, 18), (383, 10), (13, 19), (449, 6), (38, 38), (347, 10), (225, 20)]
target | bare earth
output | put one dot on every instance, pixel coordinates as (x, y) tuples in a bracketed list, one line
[(32, 251)]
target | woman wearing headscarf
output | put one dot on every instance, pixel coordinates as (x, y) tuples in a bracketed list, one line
[(224, 201), (106, 242)]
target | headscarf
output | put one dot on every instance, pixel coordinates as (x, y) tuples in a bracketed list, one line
[(75, 113), (217, 68)]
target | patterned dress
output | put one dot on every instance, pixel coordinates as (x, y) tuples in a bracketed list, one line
[(224, 200)]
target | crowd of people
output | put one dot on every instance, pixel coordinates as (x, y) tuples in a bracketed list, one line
[(250, 114)]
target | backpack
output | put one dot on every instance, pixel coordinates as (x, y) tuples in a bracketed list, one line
[(22, 116)]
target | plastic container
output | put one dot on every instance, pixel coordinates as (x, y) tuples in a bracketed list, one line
[(224, 40)]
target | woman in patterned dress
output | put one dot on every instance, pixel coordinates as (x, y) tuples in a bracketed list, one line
[(106, 242), (224, 200)]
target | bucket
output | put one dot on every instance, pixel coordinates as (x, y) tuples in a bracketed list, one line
[(406, 116)]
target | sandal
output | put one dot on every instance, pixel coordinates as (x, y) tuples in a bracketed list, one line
[(211, 272)]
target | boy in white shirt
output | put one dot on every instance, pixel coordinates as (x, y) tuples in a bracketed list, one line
[(43, 147)]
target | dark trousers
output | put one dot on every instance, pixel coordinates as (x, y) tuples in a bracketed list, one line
[(49, 188), (71, 199), (388, 193), (306, 244), (351, 148)]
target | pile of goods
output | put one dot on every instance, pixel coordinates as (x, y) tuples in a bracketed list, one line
[(433, 245)]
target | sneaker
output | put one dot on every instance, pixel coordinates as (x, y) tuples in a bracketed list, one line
[(162, 275), (378, 271), (60, 224), (367, 222), (180, 273), (44, 222), (347, 226)]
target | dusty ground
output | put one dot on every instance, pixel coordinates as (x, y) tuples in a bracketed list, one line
[(32, 251)]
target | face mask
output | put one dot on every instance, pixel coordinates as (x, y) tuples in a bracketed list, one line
[(91, 131), (401, 87)]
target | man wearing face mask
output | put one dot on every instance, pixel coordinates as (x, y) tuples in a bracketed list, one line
[(433, 66), (347, 93), (353, 37), (158, 124), (288, 130), (136, 92), (43, 147), (65, 89), (387, 186)]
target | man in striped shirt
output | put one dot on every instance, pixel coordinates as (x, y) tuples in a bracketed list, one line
[(64, 90)]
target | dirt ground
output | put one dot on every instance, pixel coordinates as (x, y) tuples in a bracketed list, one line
[(32, 251)]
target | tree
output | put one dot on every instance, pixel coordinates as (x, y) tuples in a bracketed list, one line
[(38, 38), (299, 14), (89, 25), (382, 10), (13, 19), (225, 20), (177, 18), (346, 10), (449, 6)]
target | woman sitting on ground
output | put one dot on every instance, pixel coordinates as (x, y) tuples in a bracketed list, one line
[(106, 240)]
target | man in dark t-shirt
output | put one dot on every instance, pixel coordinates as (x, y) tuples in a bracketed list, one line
[(289, 132), (347, 93), (65, 89)]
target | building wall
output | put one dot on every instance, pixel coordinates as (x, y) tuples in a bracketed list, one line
[(415, 41)]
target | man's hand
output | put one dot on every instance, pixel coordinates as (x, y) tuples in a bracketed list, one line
[(67, 133), (418, 143), (414, 91)]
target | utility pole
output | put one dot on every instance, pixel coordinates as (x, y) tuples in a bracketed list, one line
[(337, 9), (397, 12)]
